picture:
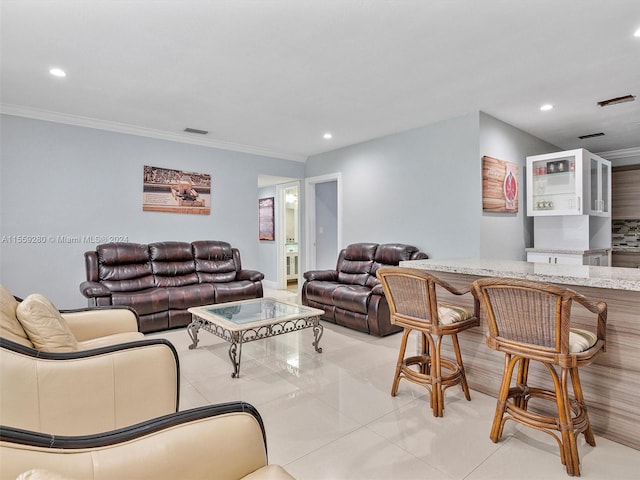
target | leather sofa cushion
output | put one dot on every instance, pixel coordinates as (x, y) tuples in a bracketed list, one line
[(354, 298), (390, 254), (321, 292), (214, 261), (191, 295), (394, 253), (40, 474), (44, 325), (355, 267), (124, 267), (172, 264), (9, 324), (232, 291), (152, 300)]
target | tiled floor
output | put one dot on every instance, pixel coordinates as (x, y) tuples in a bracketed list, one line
[(331, 416)]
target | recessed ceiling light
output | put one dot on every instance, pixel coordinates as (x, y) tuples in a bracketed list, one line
[(58, 72), (637, 33), (546, 107), (327, 136)]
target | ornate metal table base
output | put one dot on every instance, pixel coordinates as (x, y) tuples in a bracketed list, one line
[(237, 338)]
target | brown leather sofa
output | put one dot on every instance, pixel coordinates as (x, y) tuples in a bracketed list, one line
[(351, 295), (224, 441), (162, 280)]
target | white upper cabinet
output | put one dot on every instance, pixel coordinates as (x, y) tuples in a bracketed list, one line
[(574, 182), (600, 186)]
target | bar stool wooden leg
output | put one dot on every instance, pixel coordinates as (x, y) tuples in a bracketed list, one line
[(571, 459), (503, 394), (456, 348), (577, 393), (436, 380), (403, 347)]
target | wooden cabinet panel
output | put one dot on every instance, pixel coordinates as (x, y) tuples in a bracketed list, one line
[(625, 195), (625, 259)]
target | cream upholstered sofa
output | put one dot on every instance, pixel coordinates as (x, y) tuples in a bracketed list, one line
[(217, 442), (80, 372)]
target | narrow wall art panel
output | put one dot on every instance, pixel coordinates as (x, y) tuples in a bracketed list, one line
[(266, 218)]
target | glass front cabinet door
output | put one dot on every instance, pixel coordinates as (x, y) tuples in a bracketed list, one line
[(574, 182)]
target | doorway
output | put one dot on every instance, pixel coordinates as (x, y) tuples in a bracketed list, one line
[(288, 257), (323, 227), (291, 236)]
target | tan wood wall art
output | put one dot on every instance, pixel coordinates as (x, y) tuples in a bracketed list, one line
[(499, 185)]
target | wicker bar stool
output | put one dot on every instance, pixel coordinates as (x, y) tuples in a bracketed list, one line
[(413, 305), (531, 321)]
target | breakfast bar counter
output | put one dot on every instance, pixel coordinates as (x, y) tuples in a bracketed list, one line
[(611, 384)]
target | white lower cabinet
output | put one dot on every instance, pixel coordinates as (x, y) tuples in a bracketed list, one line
[(596, 259), (559, 258), (292, 266)]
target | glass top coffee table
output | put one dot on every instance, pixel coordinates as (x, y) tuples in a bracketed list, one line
[(249, 320)]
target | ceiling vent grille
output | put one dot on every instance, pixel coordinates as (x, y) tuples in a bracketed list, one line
[(615, 101), (591, 135), (195, 130)]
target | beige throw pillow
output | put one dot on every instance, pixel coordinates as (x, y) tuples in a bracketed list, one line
[(44, 325), (8, 319)]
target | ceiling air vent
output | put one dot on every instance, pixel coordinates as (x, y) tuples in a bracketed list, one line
[(195, 130), (591, 135), (614, 101)]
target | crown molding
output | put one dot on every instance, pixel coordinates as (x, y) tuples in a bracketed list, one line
[(80, 121), (622, 153)]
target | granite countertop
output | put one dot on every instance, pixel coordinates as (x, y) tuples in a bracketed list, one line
[(568, 251), (616, 278)]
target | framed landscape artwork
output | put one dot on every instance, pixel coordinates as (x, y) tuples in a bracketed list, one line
[(176, 191), (499, 186)]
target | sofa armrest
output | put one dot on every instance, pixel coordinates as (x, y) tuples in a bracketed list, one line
[(94, 289), (85, 392), (321, 275), (377, 290), (215, 441), (90, 323), (252, 275)]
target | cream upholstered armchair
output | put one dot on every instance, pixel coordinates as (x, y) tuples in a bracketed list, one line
[(224, 441), (80, 372)]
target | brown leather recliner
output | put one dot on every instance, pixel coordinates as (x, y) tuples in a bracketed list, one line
[(351, 295), (162, 280)]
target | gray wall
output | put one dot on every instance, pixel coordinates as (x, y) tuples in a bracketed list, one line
[(506, 235), (326, 225), (424, 187), (64, 181), (419, 187)]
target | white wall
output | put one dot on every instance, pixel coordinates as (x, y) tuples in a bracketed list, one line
[(506, 235), (420, 187), (65, 181)]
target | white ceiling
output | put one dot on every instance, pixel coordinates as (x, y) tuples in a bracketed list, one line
[(273, 76)]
